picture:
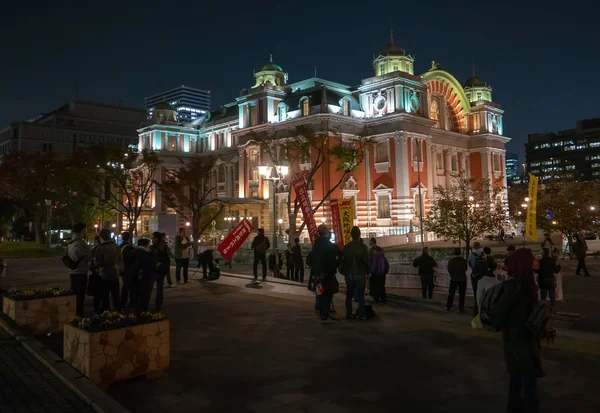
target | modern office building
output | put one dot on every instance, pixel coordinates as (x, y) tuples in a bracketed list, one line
[(72, 127), (576, 150), (427, 129), (513, 168), (191, 104)]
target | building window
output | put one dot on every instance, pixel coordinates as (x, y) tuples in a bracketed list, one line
[(381, 70), (282, 112), (395, 68), (383, 206), (418, 206), (496, 162), (439, 162), (346, 107), (305, 108), (434, 112), (381, 152), (221, 174), (172, 145), (417, 150), (253, 115), (478, 95), (454, 162)]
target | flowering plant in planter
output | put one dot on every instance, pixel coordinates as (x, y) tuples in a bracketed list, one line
[(22, 295), (111, 320)]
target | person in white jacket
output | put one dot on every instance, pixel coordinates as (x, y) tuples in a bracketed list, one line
[(488, 280)]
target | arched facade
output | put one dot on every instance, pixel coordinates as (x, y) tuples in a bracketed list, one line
[(449, 95)]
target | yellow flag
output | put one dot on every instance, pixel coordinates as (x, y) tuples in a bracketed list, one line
[(346, 207), (530, 224)]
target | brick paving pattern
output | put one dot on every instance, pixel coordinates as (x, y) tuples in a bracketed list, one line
[(26, 385)]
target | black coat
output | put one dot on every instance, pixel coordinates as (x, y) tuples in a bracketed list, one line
[(163, 259), (425, 263), (145, 263), (521, 349), (457, 268)]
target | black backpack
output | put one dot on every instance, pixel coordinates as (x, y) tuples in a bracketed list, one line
[(480, 268), (497, 304)]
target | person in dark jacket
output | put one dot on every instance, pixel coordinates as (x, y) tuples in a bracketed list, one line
[(275, 263), (107, 260), (356, 269), (546, 277), (325, 260), (163, 266), (128, 288), (206, 259), (521, 349), (143, 276), (379, 268), (457, 268), (426, 265), (580, 249), (260, 245), (298, 262), (289, 264), (78, 251)]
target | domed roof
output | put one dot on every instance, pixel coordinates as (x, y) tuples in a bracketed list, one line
[(474, 81), (392, 49), (271, 66)]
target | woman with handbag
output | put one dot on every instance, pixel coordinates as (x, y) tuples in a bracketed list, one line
[(547, 278)]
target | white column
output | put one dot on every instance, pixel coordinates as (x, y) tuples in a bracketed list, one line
[(448, 166)]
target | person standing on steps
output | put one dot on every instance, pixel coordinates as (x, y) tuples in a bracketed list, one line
[(580, 249), (78, 252), (182, 256), (426, 265), (260, 246), (457, 268)]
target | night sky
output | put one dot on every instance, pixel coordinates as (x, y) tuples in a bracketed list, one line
[(542, 59)]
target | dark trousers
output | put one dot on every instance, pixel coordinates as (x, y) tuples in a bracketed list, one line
[(474, 285), (462, 290), (290, 275), (182, 263), (548, 292), (262, 259), (355, 288), (144, 291), (377, 289), (522, 394), (160, 289), (299, 272), (134, 293), (427, 285), (324, 302), (168, 277), (206, 268), (581, 266), (106, 289), (79, 287)]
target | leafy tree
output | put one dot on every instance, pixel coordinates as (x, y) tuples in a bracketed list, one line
[(306, 146), (190, 190), (125, 178), (26, 179), (568, 205), (516, 198), (465, 210)]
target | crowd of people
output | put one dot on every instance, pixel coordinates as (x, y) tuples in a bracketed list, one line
[(124, 276)]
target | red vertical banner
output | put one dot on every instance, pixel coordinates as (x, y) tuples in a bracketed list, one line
[(335, 223), (235, 239), (299, 185)]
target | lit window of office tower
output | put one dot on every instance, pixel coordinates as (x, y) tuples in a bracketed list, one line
[(190, 103)]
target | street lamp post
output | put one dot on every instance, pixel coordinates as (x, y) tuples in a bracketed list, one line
[(48, 220), (280, 173)]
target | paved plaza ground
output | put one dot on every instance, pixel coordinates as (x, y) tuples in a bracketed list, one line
[(235, 348)]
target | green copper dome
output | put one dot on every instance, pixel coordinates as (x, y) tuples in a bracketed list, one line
[(271, 66)]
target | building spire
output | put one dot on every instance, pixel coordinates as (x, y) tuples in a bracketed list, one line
[(315, 71), (271, 58), (391, 35)]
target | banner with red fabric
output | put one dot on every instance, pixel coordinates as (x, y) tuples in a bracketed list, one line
[(235, 239), (301, 189), (335, 223)]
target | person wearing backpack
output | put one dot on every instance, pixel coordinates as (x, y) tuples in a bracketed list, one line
[(521, 346), (426, 265), (78, 255), (128, 289), (457, 268), (547, 278), (379, 269), (479, 267), (355, 267), (489, 278), (107, 259), (260, 245)]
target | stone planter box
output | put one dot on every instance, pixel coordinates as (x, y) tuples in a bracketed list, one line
[(42, 315), (115, 355)]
